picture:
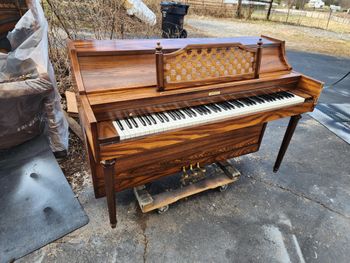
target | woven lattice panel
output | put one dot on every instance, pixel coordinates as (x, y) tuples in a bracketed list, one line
[(201, 64)]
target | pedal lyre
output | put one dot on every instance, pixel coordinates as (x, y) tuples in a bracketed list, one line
[(185, 176)]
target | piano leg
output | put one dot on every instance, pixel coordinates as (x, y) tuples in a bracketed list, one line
[(287, 137), (108, 170)]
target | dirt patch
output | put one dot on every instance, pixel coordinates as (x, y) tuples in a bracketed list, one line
[(297, 37), (75, 166)]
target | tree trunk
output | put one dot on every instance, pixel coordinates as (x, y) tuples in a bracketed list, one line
[(239, 8), (269, 10)]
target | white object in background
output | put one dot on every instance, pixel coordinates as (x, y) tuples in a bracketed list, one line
[(140, 10)]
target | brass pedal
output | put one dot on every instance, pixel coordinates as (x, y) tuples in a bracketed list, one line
[(194, 175), (185, 176), (200, 169), (217, 176)]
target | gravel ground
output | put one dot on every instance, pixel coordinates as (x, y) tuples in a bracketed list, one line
[(296, 37)]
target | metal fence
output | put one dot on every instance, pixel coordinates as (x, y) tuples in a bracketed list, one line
[(325, 20)]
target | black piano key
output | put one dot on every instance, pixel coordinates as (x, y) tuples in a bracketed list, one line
[(181, 114), (237, 103), (288, 94), (284, 95), (142, 120), (205, 109), (134, 123), (228, 105), (192, 111), (264, 98), (160, 117), (177, 116), (128, 123), (268, 95), (275, 95), (216, 106), (258, 100), (261, 99), (119, 125), (280, 95), (221, 106), (172, 115), (244, 102), (198, 110), (147, 120), (231, 104), (212, 108), (152, 119), (187, 112), (164, 116), (251, 101)]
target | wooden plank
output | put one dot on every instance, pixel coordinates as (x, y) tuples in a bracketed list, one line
[(171, 197), (72, 107), (74, 126)]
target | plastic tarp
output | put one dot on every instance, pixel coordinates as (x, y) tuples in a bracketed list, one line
[(29, 99), (140, 10)]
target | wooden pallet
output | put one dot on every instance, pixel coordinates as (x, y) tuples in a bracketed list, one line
[(161, 201)]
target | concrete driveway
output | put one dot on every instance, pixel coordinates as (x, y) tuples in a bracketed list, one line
[(300, 214)]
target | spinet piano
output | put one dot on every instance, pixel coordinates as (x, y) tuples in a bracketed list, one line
[(150, 107)]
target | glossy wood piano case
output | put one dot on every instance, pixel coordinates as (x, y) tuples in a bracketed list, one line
[(120, 79)]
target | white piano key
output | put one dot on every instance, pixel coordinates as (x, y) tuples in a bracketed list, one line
[(120, 131), (201, 119)]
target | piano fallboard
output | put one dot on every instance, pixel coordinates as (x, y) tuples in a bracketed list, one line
[(111, 105)]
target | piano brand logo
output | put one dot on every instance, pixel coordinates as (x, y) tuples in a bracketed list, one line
[(213, 93)]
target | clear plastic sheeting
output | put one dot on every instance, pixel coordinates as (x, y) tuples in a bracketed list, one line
[(140, 10), (29, 99)]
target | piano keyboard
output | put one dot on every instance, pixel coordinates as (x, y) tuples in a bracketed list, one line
[(169, 120)]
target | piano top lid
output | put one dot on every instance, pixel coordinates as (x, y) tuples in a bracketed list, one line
[(111, 65), (99, 47)]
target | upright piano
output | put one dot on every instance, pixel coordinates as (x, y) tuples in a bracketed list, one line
[(150, 107)]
